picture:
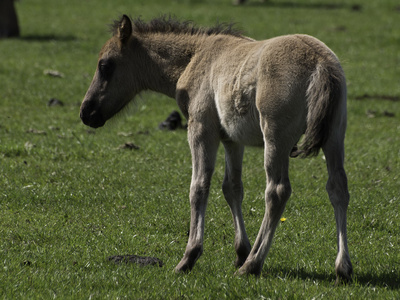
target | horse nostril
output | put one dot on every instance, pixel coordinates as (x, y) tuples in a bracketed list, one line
[(90, 115)]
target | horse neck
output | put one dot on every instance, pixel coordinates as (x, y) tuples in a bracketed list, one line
[(166, 58)]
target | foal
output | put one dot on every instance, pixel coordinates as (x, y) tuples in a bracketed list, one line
[(237, 91)]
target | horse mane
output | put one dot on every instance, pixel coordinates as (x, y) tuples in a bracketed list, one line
[(170, 24)]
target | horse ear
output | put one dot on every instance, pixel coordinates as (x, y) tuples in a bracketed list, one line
[(124, 29)]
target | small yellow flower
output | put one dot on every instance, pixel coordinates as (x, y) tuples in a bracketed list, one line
[(283, 220)]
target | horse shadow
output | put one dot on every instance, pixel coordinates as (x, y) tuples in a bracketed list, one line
[(389, 279)]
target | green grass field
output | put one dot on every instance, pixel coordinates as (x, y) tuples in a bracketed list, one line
[(70, 198)]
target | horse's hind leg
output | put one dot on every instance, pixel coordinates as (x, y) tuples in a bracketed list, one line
[(339, 196), (232, 188), (276, 195)]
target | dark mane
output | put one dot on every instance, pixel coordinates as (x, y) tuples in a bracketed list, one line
[(169, 24)]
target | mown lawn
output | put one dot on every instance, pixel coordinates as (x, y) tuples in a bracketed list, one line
[(70, 197)]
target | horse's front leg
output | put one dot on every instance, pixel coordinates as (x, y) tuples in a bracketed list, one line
[(203, 142)]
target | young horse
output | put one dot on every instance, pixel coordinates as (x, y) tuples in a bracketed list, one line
[(237, 91)]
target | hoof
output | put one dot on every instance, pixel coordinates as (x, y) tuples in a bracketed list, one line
[(185, 265), (182, 269), (239, 262), (344, 271), (248, 269), (189, 259), (343, 281), (239, 273), (242, 252), (344, 278)]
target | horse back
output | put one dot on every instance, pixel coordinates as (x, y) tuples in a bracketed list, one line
[(244, 80)]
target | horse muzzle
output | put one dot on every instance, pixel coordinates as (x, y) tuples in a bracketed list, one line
[(91, 116)]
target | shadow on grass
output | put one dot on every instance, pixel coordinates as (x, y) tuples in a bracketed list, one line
[(297, 273), (294, 4), (48, 38), (389, 279)]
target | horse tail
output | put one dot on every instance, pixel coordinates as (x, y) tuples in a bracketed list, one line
[(326, 93)]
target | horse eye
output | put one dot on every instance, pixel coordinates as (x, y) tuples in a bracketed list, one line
[(106, 68)]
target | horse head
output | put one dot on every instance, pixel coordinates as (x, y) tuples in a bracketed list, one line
[(114, 83)]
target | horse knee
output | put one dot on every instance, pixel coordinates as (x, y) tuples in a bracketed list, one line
[(199, 190), (277, 194), (284, 190), (279, 191)]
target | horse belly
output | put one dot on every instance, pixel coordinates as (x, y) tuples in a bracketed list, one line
[(242, 128)]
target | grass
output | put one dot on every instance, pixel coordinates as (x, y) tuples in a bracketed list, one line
[(69, 198)]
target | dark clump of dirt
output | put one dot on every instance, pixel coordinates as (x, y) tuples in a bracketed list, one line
[(374, 113), (356, 7), (35, 131), (135, 259), (379, 97), (129, 146), (339, 28), (55, 102), (173, 122)]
